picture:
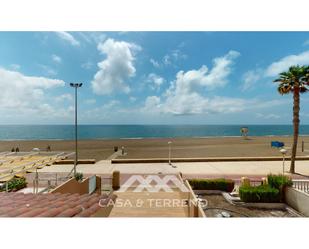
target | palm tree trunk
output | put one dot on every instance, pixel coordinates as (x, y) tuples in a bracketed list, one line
[(296, 128)]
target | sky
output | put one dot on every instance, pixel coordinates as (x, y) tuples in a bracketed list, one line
[(149, 77)]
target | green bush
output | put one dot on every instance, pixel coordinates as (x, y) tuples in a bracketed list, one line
[(212, 184), (262, 193), (15, 184), (279, 181), (79, 176)]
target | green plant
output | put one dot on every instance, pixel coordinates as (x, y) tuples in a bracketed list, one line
[(279, 181), (212, 184), (262, 193), (15, 184), (78, 176)]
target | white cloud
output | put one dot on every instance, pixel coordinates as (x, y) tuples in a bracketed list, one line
[(15, 67), (190, 81), (68, 38), (173, 56), (64, 97), (283, 64), (132, 99), (87, 65), (177, 54), (102, 112), (56, 58), (306, 43), (155, 80), (92, 37), (183, 96), (154, 63), (48, 70), (20, 92), (152, 103), (166, 60), (267, 116), (90, 101), (116, 68), (250, 78)]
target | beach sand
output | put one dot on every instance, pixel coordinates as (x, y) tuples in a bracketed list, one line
[(158, 148)]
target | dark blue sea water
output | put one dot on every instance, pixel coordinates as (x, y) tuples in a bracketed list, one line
[(66, 132)]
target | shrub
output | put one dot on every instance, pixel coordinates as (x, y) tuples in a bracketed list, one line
[(279, 181), (79, 176), (15, 184), (262, 193), (212, 184)]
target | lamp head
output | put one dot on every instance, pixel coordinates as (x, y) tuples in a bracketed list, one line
[(76, 84)]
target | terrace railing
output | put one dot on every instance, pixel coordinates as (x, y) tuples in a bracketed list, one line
[(302, 185)]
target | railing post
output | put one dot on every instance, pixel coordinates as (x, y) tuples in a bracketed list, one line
[(302, 146)]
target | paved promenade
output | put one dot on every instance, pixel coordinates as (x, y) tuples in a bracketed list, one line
[(216, 169)]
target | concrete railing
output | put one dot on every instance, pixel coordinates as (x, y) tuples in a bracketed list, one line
[(302, 185)]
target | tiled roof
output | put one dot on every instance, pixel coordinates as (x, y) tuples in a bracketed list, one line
[(49, 205)]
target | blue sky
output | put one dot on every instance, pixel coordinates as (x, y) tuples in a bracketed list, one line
[(149, 77)]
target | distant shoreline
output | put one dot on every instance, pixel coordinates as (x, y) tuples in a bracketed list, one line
[(139, 132)]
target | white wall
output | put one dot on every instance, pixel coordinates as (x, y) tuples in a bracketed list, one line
[(298, 200)]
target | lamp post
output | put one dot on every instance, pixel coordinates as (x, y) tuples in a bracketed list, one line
[(169, 152), (283, 152), (75, 85)]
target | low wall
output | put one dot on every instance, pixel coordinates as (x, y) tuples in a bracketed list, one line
[(194, 207), (71, 161), (72, 186), (206, 159), (298, 200)]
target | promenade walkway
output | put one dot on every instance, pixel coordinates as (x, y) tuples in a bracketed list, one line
[(219, 169)]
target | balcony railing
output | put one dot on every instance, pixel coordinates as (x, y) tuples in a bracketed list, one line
[(302, 185)]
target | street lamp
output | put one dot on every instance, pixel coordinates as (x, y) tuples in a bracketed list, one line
[(169, 152), (283, 152), (75, 85)]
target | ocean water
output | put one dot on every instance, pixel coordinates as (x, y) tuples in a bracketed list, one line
[(66, 132)]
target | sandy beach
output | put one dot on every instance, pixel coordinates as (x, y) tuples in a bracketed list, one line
[(158, 148)]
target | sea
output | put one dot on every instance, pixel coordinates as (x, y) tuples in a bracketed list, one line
[(66, 132)]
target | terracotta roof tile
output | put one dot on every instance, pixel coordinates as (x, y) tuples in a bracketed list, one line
[(48, 205), (70, 212), (17, 212), (52, 212), (33, 212)]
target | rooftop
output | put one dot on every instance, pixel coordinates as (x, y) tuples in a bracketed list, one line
[(49, 205)]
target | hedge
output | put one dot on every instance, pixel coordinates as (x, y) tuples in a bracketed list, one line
[(262, 193), (212, 184)]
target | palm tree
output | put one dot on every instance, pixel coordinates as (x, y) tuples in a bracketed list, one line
[(295, 81)]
